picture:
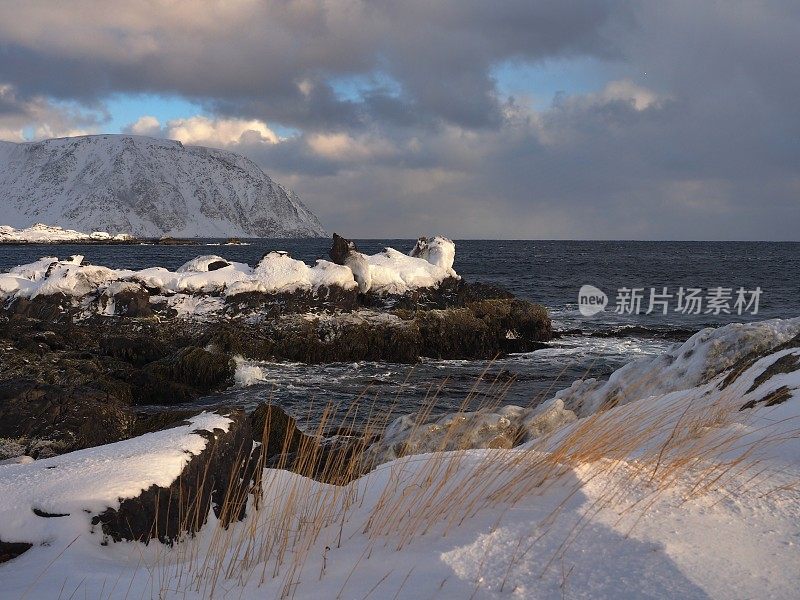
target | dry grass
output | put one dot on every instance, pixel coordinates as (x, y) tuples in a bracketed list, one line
[(634, 452)]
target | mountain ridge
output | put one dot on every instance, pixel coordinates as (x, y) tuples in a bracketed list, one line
[(146, 187)]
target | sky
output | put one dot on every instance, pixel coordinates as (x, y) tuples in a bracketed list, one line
[(530, 119)]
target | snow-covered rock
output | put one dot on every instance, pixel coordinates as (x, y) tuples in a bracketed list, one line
[(145, 187), (439, 251), (40, 233), (390, 272)]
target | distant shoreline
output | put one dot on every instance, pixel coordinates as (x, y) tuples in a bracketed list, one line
[(129, 242)]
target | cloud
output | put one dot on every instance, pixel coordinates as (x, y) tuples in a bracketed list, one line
[(146, 125), (34, 118), (281, 58), (204, 131), (341, 147), (687, 125), (200, 130)]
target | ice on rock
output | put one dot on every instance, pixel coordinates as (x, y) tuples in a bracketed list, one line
[(35, 270), (393, 272), (201, 264), (13, 285), (454, 431), (73, 279), (158, 278), (362, 271), (327, 274), (278, 271), (701, 358)]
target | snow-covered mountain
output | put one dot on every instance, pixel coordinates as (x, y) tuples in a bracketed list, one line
[(146, 187)]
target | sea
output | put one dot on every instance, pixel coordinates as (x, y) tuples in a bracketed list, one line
[(658, 295)]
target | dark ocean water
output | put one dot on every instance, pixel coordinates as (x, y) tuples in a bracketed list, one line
[(548, 272)]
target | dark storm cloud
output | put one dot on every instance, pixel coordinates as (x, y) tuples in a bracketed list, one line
[(698, 136), (256, 53)]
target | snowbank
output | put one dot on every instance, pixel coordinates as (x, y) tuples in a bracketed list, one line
[(49, 234)]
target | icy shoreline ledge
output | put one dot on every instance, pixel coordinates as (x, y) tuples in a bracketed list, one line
[(53, 234), (654, 484)]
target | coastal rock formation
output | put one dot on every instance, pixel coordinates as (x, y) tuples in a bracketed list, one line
[(160, 337)]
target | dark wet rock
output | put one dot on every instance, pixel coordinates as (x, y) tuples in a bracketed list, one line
[(214, 478), (218, 264), (779, 396), (341, 249), (11, 550), (47, 515), (450, 293), (677, 334), (276, 430), (135, 349), (165, 419), (49, 307), (133, 303), (284, 446), (753, 357), (194, 367), (481, 329), (75, 417), (270, 306), (788, 363)]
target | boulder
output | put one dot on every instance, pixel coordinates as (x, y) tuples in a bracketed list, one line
[(133, 303), (212, 479), (196, 367), (68, 418), (285, 446)]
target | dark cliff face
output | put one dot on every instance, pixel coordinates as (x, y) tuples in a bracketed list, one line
[(146, 187)]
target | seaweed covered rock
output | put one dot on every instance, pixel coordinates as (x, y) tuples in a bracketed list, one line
[(195, 367), (135, 349)]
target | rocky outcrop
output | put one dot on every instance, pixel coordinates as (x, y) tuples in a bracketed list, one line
[(191, 366), (52, 419), (213, 479), (283, 445), (481, 329)]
